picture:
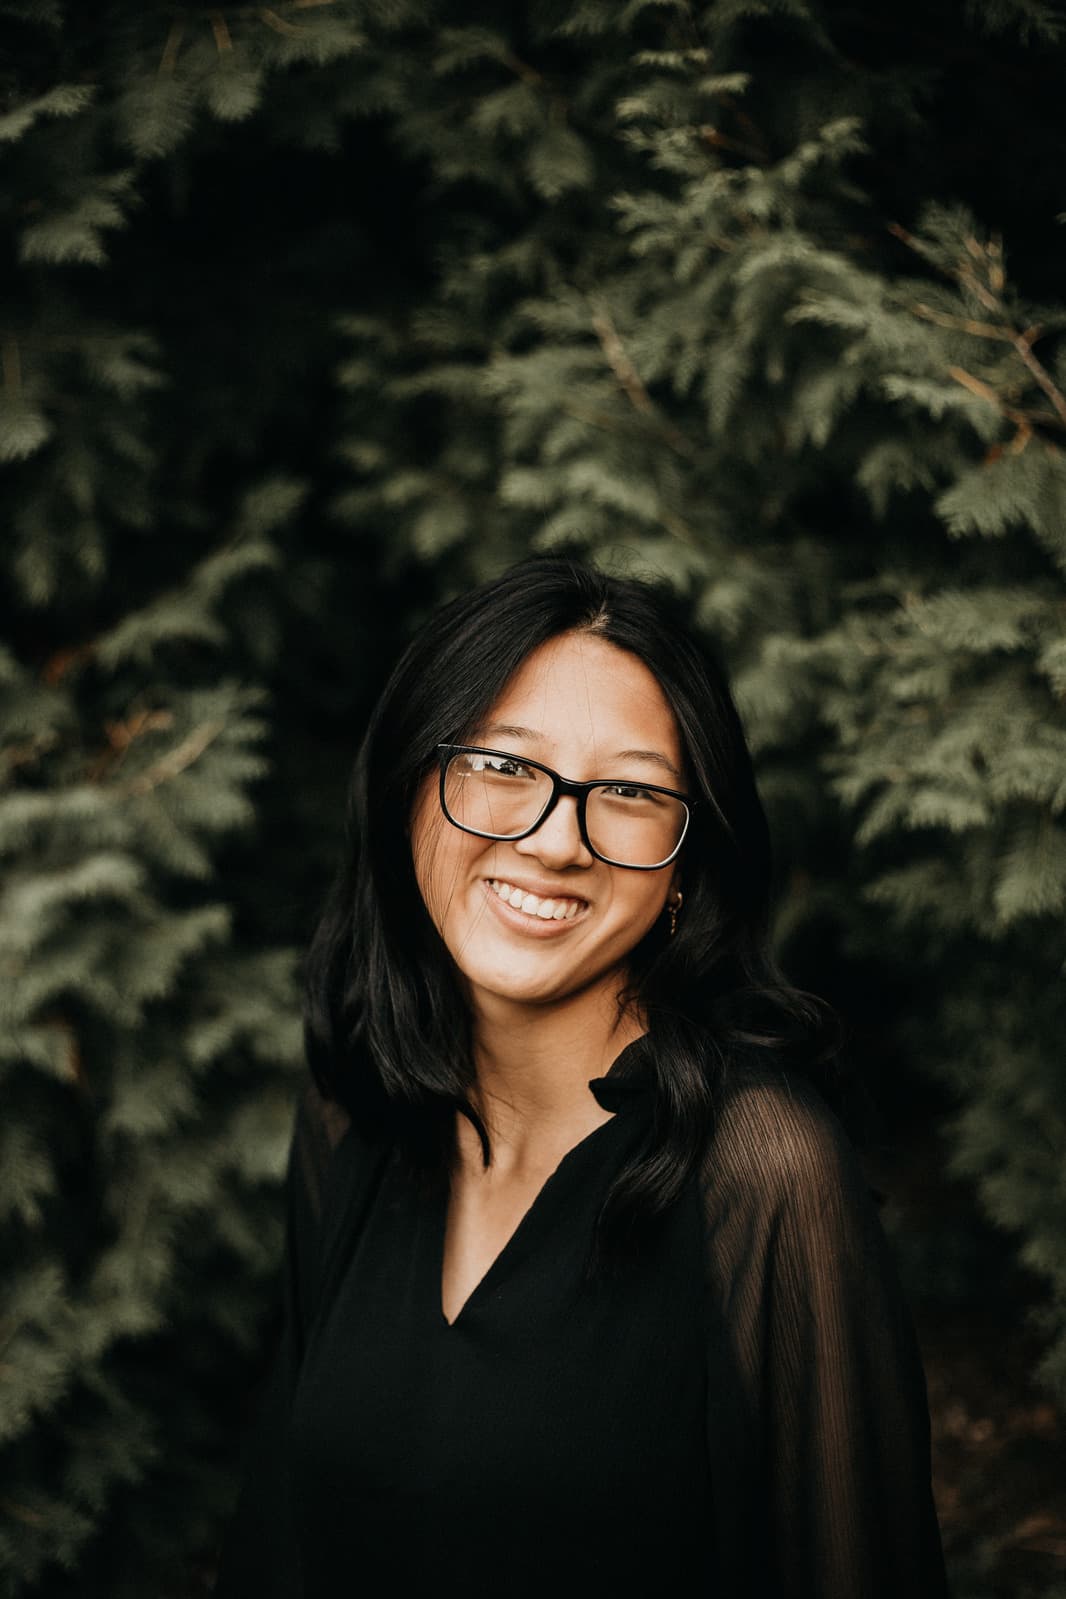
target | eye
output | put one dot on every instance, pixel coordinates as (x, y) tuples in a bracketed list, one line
[(499, 766), (631, 792)]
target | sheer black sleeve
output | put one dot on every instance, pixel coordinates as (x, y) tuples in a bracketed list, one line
[(259, 1555), (818, 1421)]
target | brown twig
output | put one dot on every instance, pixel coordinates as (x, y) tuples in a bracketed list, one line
[(278, 24), (991, 257), (620, 364), (75, 1060), (1003, 334), (12, 359), (521, 69), (983, 391), (630, 381), (1041, 375), (61, 662), (122, 735), (677, 526), (220, 29), (169, 58), (16, 755), (176, 760), (1023, 420), (201, 13), (962, 324), (991, 298), (609, 423), (717, 140), (23, 1513)]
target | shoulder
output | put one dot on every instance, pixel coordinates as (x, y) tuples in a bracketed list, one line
[(789, 1217), (778, 1147)]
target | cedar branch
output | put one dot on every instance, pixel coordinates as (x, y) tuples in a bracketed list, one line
[(176, 760), (122, 735), (620, 364), (963, 324), (1023, 420), (1002, 332), (1041, 375), (630, 381)]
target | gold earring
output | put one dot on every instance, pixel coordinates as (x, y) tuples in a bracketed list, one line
[(673, 909)]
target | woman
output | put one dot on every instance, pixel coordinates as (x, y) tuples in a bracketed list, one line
[(585, 1289)]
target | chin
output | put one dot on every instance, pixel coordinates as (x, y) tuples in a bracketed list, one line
[(518, 990)]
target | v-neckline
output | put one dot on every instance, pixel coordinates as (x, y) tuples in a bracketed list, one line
[(507, 1247)]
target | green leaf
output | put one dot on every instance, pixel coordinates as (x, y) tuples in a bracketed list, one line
[(64, 100), (233, 91), (559, 162), (73, 233), (1032, 876), (23, 427)]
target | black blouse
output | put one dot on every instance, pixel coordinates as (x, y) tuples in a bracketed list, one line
[(739, 1411)]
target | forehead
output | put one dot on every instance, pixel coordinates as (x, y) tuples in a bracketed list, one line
[(580, 690)]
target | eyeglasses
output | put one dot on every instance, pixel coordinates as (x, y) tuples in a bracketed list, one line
[(496, 795)]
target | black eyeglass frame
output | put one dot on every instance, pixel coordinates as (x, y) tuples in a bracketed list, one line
[(562, 786)]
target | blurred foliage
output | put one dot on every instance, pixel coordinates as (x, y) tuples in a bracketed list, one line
[(314, 313)]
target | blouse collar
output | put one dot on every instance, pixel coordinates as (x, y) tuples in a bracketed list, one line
[(629, 1077)]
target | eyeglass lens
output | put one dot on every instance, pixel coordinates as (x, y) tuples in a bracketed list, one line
[(501, 796)]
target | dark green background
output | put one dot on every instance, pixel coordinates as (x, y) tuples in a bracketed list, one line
[(312, 314)]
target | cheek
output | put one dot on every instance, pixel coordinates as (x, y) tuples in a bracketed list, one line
[(439, 853), (426, 841), (642, 909)]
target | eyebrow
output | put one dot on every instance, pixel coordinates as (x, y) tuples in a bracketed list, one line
[(508, 730)]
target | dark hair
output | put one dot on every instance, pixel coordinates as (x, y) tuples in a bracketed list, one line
[(387, 1029)]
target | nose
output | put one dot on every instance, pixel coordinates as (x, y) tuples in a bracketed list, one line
[(557, 842)]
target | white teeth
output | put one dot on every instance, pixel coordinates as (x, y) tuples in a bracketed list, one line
[(548, 910)]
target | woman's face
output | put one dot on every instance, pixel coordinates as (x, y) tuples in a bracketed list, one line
[(587, 709)]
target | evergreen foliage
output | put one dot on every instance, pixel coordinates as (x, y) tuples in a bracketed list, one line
[(842, 434), (149, 1035), (313, 313)]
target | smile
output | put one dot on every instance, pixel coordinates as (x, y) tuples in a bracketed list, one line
[(546, 910)]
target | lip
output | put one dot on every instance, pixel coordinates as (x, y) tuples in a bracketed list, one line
[(533, 926)]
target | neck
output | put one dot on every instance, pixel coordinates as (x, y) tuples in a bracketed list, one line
[(534, 1065)]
